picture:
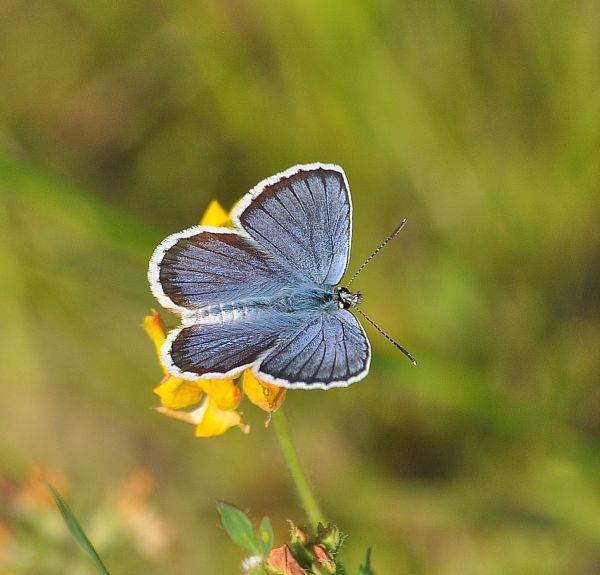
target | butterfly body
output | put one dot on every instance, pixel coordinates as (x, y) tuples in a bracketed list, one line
[(263, 295), (303, 300)]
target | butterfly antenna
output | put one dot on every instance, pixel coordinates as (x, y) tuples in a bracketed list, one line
[(383, 244), (406, 353)]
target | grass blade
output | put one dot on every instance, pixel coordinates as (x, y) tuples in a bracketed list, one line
[(366, 568), (76, 530)]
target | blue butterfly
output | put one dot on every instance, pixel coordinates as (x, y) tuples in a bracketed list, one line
[(263, 295)]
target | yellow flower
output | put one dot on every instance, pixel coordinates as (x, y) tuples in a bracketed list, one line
[(265, 395), (217, 399), (209, 419), (215, 215)]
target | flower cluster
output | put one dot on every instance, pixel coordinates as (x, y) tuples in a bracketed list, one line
[(306, 553), (215, 402)]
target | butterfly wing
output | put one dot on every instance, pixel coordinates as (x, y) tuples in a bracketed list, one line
[(295, 228), (303, 218), (331, 350), (217, 350), (215, 278), (204, 266)]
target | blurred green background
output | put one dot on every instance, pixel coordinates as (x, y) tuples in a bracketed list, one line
[(477, 121)]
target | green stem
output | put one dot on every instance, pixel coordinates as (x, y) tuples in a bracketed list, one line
[(309, 501)]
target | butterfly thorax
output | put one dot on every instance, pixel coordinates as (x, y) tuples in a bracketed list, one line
[(304, 298)]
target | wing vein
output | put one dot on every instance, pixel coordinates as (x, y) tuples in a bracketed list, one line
[(291, 188), (345, 347), (267, 241), (225, 255), (320, 332), (329, 228), (294, 357), (287, 231), (288, 211), (324, 353)]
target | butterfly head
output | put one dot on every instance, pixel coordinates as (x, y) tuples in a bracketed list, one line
[(346, 299)]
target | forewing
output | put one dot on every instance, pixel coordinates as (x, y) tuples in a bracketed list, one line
[(331, 351), (303, 218), (204, 266), (217, 350)]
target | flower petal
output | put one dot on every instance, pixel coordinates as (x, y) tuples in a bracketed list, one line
[(193, 417), (283, 561), (217, 421), (177, 393), (265, 395), (215, 215), (209, 419), (224, 392), (155, 329)]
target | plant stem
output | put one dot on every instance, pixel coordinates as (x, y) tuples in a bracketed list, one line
[(309, 501)]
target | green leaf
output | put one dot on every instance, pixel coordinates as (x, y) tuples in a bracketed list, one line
[(238, 527), (76, 530), (265, 537), (366, 568)]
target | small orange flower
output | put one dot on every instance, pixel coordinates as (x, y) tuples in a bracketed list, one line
[(281, 560), (216, 399)]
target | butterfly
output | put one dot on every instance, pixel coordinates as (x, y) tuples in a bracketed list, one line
[(264, 294)]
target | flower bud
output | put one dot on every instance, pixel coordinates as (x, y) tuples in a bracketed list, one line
[(329, 537), (323, 562), (299, 535)]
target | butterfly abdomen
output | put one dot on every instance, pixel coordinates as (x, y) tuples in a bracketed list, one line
[(298, 301), (223, 312)]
